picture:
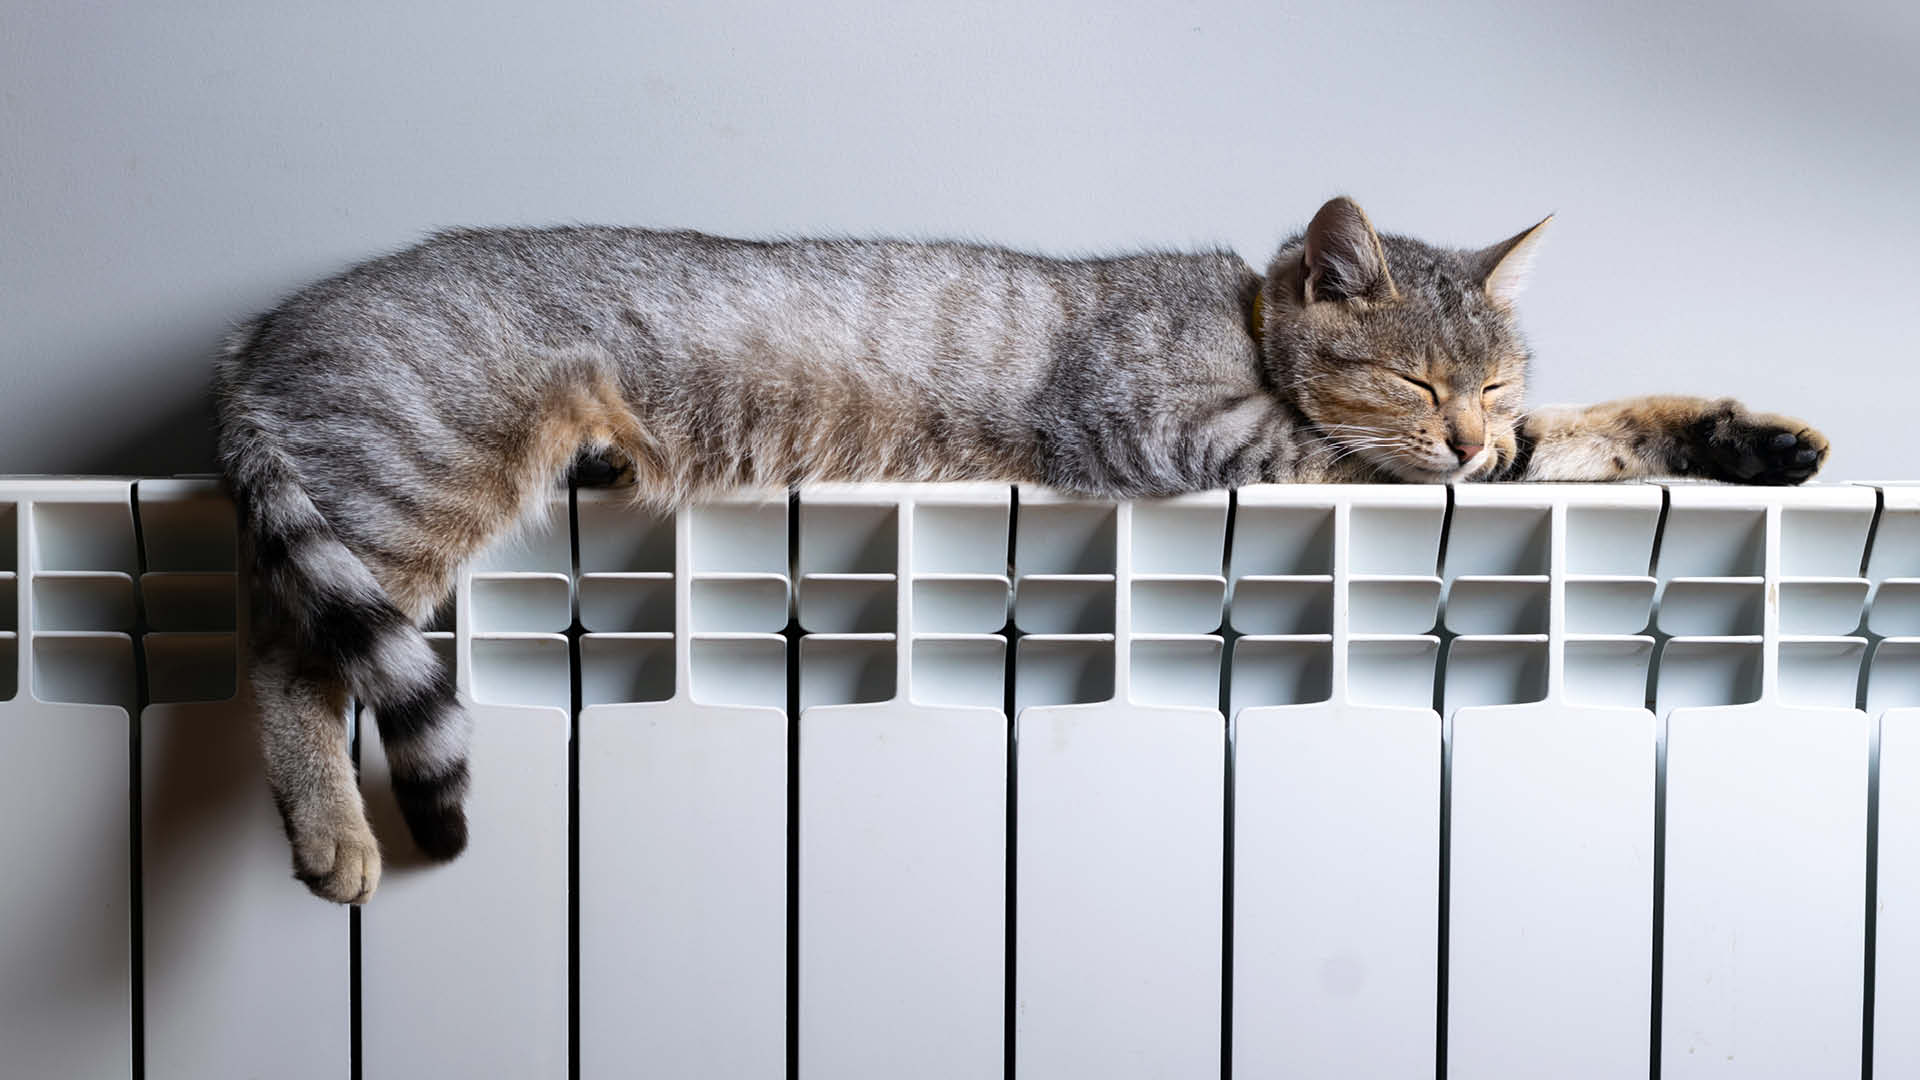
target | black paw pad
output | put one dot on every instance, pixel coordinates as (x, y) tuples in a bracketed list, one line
[(600, 470), (1754, 450)]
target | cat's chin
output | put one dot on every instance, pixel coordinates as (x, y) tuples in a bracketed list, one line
[(1414, 473)]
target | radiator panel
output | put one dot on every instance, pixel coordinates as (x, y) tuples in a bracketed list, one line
[(241, 977), (1120, 794), (244, 976), (1550, 924), (682, 819), (903, 765), (465, 970), (1896, 973), (1552, 774), (1893, 699), (1118, 909), (69, 979), (904, 976), (1765, 892), (1335, 890), (1336, 781), (66, 1003)]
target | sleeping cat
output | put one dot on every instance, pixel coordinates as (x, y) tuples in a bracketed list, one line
[(379, 428)]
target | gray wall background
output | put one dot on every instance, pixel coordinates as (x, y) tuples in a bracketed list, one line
[(1735, 182)]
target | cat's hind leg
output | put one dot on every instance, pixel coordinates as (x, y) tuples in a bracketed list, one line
[(415, 561), (336, 615), (303, 717)]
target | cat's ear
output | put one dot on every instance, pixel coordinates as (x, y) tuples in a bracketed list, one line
[(1504, 266), (1344, 258)]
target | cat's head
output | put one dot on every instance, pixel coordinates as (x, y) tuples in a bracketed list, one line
[(1404, 355)]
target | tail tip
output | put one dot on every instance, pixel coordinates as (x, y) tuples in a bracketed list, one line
[(440, 833), (435, 813)]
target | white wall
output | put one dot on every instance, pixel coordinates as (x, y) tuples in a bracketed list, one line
[(1734, 181)]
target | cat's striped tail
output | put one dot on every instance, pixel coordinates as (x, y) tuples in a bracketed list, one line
[(316, 590)]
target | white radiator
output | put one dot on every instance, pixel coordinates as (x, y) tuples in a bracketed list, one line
[(1343, 782)]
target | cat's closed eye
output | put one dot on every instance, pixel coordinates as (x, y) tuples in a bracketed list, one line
[(1425, 388)]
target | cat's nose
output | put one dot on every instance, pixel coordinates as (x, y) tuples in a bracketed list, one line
[(1465, 451)]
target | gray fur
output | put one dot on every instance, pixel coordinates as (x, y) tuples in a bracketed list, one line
[(381, 426)]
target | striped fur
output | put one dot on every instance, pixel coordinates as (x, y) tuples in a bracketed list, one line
[(316, 596), (382, 426)]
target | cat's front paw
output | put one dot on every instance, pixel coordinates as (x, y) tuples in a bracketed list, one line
[(1741, 447), (338, 859)]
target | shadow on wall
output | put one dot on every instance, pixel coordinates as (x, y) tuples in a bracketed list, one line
[(173, 435), (103, 414)]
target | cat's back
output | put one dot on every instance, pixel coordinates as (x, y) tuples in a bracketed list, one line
[(471, 276), (462, 268), (472, 296), (472, 267)]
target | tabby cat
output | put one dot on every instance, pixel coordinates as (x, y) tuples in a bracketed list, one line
[(380, 427)]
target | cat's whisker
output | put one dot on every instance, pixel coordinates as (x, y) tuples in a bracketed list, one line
[(1360, 441), (1331, 451)]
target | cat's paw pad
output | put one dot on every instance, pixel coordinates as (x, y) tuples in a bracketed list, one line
[(1760, 448), (602, 469), (339, 862)]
